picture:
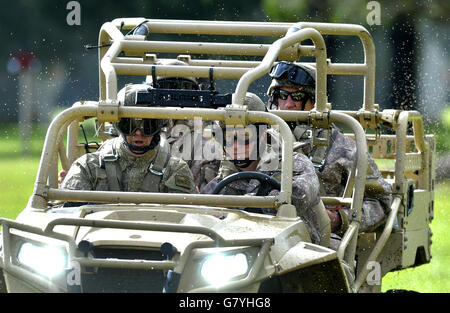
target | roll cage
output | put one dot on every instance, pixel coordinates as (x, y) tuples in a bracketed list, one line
[(127, 54)]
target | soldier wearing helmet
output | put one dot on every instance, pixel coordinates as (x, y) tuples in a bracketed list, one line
[(294, 85), (305, 190), (244, 147), (168, 82), (177, 130), (293, 88), (137, 160)]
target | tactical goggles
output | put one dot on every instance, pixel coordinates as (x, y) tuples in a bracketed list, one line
[(148, 127), (295, 95), (177, 84), (293, 73)]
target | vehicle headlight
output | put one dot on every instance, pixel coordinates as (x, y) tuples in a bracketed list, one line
[(46, 260), (219, 268)]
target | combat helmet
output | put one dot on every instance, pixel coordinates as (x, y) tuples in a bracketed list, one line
[(167, 82), (292, 75), (128, 126), (253, 103)]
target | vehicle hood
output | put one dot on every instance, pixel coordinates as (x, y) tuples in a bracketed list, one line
[(228, 224)]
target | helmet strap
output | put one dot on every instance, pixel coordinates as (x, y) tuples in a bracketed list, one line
[(243, 163), (142, 150), (246, 162)]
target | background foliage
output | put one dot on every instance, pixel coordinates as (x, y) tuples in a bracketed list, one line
[(66, 69)]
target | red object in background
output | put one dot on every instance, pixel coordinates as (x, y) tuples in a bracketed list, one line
[(23, 61), (25, 58)]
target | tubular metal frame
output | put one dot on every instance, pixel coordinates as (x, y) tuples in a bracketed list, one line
[(289, 48)]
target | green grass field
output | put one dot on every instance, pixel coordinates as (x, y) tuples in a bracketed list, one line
[(18, 173)]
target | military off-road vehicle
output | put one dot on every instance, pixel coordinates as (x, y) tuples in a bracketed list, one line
[(152, 242)]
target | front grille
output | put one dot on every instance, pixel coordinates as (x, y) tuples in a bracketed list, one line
[(124, 280)]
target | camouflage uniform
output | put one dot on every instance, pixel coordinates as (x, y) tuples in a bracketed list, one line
[(305, 187), (202, 170), (335, 161), (135, 174), (333, 166)]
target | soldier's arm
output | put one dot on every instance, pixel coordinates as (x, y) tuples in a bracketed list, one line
[(208, 189), (79, 176), (305, 183), (377, 197), (306, 195), (204, 172)]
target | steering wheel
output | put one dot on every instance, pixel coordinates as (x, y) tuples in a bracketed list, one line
[(267, 183)]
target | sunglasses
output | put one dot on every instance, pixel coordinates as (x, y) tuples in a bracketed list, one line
[(295, 74), (295, 95), (148, 127)]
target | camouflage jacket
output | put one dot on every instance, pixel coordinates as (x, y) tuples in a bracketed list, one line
[(305, 187), (134, 174), (203, 169), (334, 164)]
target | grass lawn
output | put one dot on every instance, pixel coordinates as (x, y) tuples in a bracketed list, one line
[(16, 182), (17, 170), (18, 173)]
